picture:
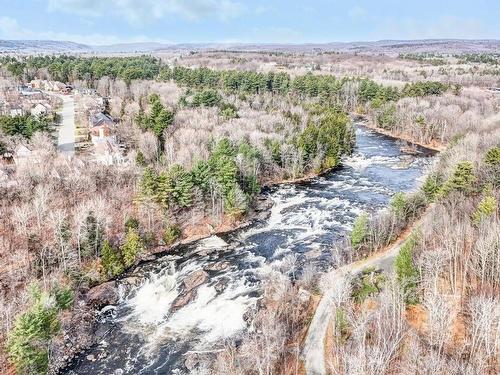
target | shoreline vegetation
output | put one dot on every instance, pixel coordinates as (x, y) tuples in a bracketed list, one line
[(260, 214), (257, 128)]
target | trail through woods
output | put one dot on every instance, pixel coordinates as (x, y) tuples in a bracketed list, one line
[(313, 353)]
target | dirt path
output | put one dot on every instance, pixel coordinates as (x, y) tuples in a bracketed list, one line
[(313, 353)]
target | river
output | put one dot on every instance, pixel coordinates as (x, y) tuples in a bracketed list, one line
[(145, 336)]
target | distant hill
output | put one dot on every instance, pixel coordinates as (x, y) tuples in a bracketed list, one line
[(391, 47), (41, 46)]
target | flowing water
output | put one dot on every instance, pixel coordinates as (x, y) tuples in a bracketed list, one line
[(145, 335)]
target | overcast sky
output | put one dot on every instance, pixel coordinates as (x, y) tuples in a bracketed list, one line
[(284, 21)]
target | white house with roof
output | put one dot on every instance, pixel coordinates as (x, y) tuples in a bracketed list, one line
[(39, 110)]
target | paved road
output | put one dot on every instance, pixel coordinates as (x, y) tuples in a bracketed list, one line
[(67, 129), (313, 353)]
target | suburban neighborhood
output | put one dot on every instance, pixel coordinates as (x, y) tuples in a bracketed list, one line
[(63, 104)]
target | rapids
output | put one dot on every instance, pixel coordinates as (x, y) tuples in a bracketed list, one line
[(145, 335)]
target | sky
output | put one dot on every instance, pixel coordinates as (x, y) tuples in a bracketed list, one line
[(101, 22)]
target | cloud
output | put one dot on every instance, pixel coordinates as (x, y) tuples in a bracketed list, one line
[(11, 29), (140, 12)]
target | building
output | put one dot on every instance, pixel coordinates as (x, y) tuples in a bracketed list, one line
[(29, 91), (102, 126), (100, 118), (39, 110), (107, 151)]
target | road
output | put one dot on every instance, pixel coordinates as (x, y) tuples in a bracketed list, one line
[(313, 352), (67, 129)]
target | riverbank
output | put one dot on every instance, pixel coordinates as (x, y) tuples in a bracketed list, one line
[(318, 342), (264, 209), (434, 145)]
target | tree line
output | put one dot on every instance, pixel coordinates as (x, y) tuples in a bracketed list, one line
[(69, 68)]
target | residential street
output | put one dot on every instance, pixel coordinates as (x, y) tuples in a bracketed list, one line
[(313, 353), (66, 137)]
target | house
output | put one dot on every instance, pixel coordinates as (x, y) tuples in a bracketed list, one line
[(39, 110), (107, 151), (102, 131), (100, 118), (60, 87), (29, 91), (67, 89), (102, 127)]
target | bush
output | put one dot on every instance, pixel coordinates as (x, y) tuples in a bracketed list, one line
[(228, 111), (368, 284), (406, 272), (492, 156), (359, 231), (171, 234)]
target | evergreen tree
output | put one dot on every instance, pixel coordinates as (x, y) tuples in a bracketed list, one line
[(111, 260), (359, 231), (28, 341), (223, 166), (132, 247), (200, 175), (149, 183), (406, 271), (462, 179), (486, 208), (431, 187), (181, 186), (492, 156)]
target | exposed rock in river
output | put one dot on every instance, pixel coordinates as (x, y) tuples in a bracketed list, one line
[(183, 299), (189, 285), (194, 280), (102, 295)]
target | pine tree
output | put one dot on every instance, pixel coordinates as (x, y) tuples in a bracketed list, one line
[(200, 175), (406, 271), (29, 339), (149, 183), (181, 186), (132, 247), (111, 260), (462, 179), (162, 194), (359, 230)]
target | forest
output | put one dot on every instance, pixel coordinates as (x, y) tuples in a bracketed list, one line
[(204, 137)]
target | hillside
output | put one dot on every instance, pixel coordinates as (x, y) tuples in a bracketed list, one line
[(450, 46)]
